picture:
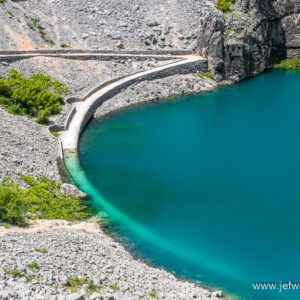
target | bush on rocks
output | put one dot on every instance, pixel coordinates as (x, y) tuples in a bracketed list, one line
[(36, 96), (224, 5), (290, 64), (43, 199)]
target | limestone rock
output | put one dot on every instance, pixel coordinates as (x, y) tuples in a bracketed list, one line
[(73, 191)]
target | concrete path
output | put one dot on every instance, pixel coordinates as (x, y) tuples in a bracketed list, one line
[(84, 111), (93, 54)]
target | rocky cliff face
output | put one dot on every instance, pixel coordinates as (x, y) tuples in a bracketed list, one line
[(238, 43)]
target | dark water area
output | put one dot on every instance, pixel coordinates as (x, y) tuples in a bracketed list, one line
[(207, 186)]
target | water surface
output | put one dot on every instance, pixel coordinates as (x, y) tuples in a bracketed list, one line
[(207, 186)]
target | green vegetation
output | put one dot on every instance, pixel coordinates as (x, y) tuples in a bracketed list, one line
[(74, 283), (281, 62), (33, 266), (290, 64), (92, 288), (113, 287), (205, 75), (43, 199), (64, 45), (152, 294), (54, 133), (36, 96), (18, 274), (224, 5), (41, 250), (14, 273), (292, 4), (30, 277), (35, 24), (2, 1)]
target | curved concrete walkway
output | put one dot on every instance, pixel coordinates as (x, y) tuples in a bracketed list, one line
[(84, 111)]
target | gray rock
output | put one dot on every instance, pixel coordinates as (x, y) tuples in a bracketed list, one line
[(73, 191)]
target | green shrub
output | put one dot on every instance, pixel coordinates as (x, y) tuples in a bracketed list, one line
[(205, 75), (64, 45), (290, 64), (36, 96), (152, 294), (12, 207), (33, 266), (41, 250), (14, 273), (224, 5), (43, 199)]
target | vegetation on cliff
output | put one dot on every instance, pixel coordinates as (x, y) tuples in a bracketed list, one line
[(36, 96), (42, 199), (290, 64), (224, 5)]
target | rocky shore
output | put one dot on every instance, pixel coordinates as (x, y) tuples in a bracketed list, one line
[(237, 45), (78, 249), (37, 263)]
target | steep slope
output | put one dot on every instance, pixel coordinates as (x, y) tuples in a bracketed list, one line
[(237, 43)]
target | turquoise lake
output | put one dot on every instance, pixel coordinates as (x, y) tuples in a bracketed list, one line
[(206, 186)]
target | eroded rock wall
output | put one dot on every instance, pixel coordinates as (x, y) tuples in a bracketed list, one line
[(238, 43)]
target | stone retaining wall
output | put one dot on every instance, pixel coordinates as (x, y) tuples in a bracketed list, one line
[(188, 68)]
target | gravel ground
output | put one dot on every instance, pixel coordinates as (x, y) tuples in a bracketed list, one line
[(103, 24), (26, 148), (83, 250)]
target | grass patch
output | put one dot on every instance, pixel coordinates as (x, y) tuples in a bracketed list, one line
[(92, 288), (33, 265), (152, 294), (43, 199), (37, 96), (113, 287), (41, 250), (74, 283), (15, 273), (54, 133), (205, 75)]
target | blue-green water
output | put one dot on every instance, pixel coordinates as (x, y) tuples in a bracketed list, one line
[(207, 186)]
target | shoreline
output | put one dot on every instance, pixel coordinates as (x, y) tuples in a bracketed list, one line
[(104, 260), (168, 286)]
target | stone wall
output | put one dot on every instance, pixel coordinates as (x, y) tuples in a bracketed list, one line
[(188, 68)]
